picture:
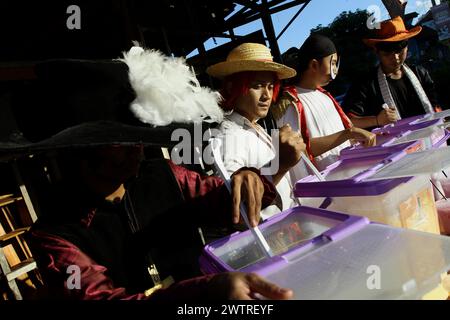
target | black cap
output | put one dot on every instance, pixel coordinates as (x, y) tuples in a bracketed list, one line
[(316, 46)]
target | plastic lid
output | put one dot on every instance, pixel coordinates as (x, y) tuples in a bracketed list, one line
[(408, 147), (413, 164), (348, 178), (437, 115), (295, 228), (429, 134), (432, 132), (396, 129), (374, 262), (328, 255)]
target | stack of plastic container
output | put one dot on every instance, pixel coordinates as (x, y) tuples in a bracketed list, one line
[(407, 201), (428, 131), (430, 134), (423, 162), (411, 121), (322, 254), (407, 147)]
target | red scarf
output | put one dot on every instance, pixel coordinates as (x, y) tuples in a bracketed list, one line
[(302, 119)]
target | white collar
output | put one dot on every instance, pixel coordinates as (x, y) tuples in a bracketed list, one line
[(304, 90), (244, 123), (239, 119)]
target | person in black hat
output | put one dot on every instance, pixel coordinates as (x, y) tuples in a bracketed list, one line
[(311, 110), (94, 238), (393, 90)]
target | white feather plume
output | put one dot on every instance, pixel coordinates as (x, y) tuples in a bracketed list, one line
[(167, 90)]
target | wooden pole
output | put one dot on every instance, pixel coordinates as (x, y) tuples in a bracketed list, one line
[(395, 7)]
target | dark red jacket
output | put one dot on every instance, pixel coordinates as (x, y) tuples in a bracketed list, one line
[(100, 245)]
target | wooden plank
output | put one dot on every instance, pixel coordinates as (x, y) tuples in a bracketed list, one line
[(21, 268), (8, 255), (13, 234), (15, 289), (24, 192), (395, 7), (8, 199)]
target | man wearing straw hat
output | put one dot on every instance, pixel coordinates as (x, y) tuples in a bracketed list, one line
[(251, 81), (394, 90), (93, 240)]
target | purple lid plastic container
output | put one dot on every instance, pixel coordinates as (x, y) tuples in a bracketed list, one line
[(352, 186), (408, 147), (336, 227), (402, 122), (398, 128), (388, 140)]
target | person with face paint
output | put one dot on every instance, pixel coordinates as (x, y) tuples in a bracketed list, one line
[(311, 110), (393, 90)]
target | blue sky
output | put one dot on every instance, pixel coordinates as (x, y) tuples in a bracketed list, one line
[(317, 12)]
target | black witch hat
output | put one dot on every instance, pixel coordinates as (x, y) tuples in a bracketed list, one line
[(79, 103)]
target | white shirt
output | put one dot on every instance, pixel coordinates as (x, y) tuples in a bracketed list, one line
[(322, 120), (245, 146)]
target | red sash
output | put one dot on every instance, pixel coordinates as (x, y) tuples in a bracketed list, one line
[(302, 119)]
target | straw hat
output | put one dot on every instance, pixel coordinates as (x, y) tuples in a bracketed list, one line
[(392, 30), (250, 57)]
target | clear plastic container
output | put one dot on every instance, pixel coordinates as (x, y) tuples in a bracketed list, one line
[(368, 187), (407, 147), (430, 137), (281, 236), (443, 209), (408, 126), (408, 205), (377, 262), (336, 256), (437, 115)]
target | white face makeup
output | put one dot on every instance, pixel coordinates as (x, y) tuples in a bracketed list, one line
[(328, 69), (335, 62)]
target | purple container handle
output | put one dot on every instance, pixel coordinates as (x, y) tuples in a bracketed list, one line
[(355, 223)]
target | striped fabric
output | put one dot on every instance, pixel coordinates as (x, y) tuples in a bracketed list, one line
[(387, 95)]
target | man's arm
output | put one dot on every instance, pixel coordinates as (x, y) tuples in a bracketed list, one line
[(56, 255), (386, 116), (211, 195), (223, 286), (323, 144), (364, 122), (290, 149), (359, 106)]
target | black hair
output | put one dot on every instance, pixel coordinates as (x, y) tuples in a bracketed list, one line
[(303, 64), (316, 47), (292, 59)]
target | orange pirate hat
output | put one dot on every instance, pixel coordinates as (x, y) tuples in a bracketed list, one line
[(392, 30)]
